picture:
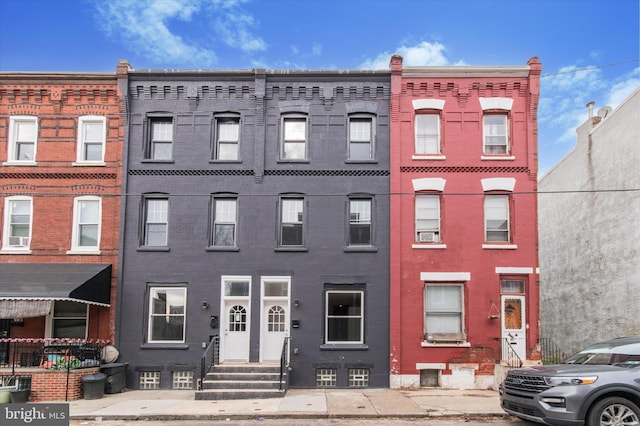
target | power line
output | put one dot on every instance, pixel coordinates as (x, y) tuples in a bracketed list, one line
[(590, 68)]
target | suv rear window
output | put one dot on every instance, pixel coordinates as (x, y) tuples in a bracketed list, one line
[(623, 354)]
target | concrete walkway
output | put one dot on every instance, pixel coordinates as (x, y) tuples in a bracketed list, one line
[(298, 403)]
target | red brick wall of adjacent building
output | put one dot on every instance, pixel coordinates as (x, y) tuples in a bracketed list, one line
[(463, 166), (58, 100)]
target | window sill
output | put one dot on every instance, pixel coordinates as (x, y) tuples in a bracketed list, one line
[(344, 347), (500, 246), (162, 346), (216, 248), (429, 246), (303, 161), (15, 251), (436, 157), (445, 344), (369, 161), (20, 163), (88, 164), (84, 252), (149, 248), (497, 157), (150, 160), (291, 249), (360, 249), (225, 161)]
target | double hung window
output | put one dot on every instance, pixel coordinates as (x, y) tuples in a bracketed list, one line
[(156, 222), (91, 139), (167, 309), (69, 320), (224, 221), (361, 136), (444, 320), (294, 138), (360, 222), (87, 214), (18, 219), (427, 134), (427, 218), (497, 221), (344, 319), (23, 136), (227, 139), (496, 135), (291, 221), (160, 143)]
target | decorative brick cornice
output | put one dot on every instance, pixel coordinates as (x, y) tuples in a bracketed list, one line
[(464, 169)]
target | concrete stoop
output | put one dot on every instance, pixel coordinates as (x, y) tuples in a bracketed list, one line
[(241, 381)]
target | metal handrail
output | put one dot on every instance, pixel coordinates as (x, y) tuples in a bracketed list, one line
[(284, 364), (509, 355), (210, 357), (551, 353)]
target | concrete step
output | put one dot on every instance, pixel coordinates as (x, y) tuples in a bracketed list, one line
[(235, 384), (247, 377), (214, 394)]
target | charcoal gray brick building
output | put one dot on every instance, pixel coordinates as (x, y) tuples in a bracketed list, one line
[(256, 208)]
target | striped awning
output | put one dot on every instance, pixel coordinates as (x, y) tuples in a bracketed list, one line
[(10, 309)]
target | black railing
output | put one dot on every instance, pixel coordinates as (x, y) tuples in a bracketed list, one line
[(509, 355), (53, 354), (210, 357), (284, 365), (551, 353)]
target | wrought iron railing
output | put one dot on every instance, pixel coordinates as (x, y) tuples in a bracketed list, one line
[(54, 354), (551, 353), (210, 357), (284, 364), (509, 356)]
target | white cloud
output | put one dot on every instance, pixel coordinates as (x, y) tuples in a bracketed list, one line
[(623, 88), (146, 27), (422, 54)]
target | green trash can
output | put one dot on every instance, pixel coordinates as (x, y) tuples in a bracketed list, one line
[(93, 385)]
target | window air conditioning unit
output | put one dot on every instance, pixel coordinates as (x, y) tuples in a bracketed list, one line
[(427, 237), (19, 241)]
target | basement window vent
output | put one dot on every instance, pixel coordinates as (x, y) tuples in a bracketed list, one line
[(149, 380), (326, 377), (182, 380), (358, 377)]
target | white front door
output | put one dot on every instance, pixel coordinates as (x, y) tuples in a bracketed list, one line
[(275, 319), (514, 325), (235, 319)]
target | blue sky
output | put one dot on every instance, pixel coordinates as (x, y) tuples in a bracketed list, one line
[(589, 49)]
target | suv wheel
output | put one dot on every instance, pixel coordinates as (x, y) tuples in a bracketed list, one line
[(614, 411)]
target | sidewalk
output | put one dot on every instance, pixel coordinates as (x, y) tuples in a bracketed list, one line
[(298, 403)]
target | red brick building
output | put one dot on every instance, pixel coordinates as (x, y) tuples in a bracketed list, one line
[(61, 144), (464, 265)]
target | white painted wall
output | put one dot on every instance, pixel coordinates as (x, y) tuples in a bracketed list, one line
[(590, 240)]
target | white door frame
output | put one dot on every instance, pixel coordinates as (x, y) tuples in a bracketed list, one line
[(516, 338), (266, 299), (224, 320)]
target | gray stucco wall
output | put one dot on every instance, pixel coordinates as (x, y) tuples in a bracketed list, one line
[(590, 234), (325, 181)]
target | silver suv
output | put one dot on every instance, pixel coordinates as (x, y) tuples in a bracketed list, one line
[(600, 385)]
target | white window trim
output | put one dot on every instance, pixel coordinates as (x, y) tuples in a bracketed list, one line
[(146, 222), (438, 231), (75, 234), (507, 154), (445, 343), (80, 161), (282, 222), (184, 314), (223, 119), (439, 137), (11, 150), (349, 223), (508, 241), (372, 137), (294, 117), (326, 318), (6, 248), (217, 198)]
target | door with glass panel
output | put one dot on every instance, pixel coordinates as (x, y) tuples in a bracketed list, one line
[(513, 316), (235, 319), (275, 317)]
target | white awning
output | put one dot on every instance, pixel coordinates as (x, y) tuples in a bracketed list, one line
[(24, 308)]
